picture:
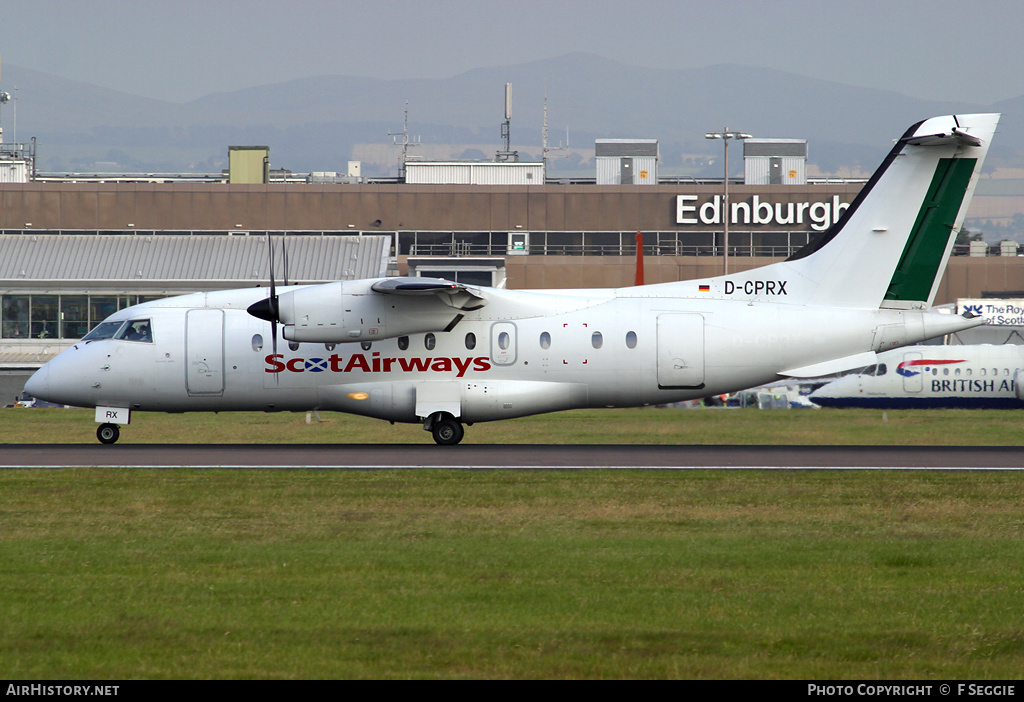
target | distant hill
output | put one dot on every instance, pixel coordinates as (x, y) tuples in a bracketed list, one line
[(318, 123)]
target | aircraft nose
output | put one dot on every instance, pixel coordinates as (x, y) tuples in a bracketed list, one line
[(39, 384)]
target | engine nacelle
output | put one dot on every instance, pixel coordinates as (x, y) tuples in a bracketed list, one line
[(349, 311)]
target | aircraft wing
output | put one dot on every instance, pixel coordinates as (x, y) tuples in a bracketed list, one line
[(367, 310), (455, 295)]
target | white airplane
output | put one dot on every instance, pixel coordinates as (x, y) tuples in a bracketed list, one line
[(443, 354), (984, 376)]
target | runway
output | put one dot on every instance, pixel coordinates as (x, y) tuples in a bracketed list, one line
[(505, 457)]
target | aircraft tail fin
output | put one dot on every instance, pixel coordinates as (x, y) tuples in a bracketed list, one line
[(891, 246)]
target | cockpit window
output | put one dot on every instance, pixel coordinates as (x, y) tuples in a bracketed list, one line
[(136, 330), (132, 330), (103, 330), (882, 370)]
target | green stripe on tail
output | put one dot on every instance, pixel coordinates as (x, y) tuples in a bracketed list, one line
[(926, 246)]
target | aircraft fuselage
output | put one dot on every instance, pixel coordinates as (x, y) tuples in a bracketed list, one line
[(207, 353)]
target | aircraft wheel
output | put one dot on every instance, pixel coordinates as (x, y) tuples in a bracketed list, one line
[(447, 431), (108, 433)]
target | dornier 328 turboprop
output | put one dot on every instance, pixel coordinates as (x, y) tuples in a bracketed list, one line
[(444, 355)]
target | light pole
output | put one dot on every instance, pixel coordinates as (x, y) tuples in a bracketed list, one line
[(725, 135)]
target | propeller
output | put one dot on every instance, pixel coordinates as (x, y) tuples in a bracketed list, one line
[(268, 308)]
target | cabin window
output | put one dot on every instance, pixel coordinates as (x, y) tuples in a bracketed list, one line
[(597, 340), (970, 372), (366, 345), (293, 345), (945, 371), (631, 340), (956, 372), (257, 342), (545, 340), (330, 347), (504, 341), (470, 340), (403, 342), (430, 341)]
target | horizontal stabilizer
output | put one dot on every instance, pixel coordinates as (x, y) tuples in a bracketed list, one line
[(955, 137), (836, 365)]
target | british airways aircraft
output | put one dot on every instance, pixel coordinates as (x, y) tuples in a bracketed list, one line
[(445, 355), (983, 376)]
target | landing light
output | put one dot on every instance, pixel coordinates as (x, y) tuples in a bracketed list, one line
[(358, 396)]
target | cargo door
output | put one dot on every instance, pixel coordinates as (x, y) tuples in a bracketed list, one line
[(204, 352), (680, 350)]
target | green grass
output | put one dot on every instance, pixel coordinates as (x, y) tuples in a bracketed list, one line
[(597, 426), (132, 574), (127, 574)]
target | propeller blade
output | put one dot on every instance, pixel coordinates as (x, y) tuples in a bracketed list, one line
[(268, 309), (273, 344), (284, 257), (270, 254), (275, 311)]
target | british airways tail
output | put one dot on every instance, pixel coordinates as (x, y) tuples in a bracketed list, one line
[(892, 244)]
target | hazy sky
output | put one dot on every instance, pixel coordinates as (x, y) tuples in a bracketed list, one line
[(183, 49)]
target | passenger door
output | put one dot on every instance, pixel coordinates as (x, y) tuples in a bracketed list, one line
[(204, 352), (914, 382), (680, 350)]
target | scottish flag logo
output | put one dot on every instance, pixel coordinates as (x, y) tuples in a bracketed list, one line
[(316, 365)]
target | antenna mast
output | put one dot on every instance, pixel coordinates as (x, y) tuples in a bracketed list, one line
[(544, 149), (506, 129), (406, 142)]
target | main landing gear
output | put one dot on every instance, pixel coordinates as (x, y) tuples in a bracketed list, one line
[(108, 433), (446, 429)]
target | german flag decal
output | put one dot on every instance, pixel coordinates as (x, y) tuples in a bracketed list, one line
[(704, 288)]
